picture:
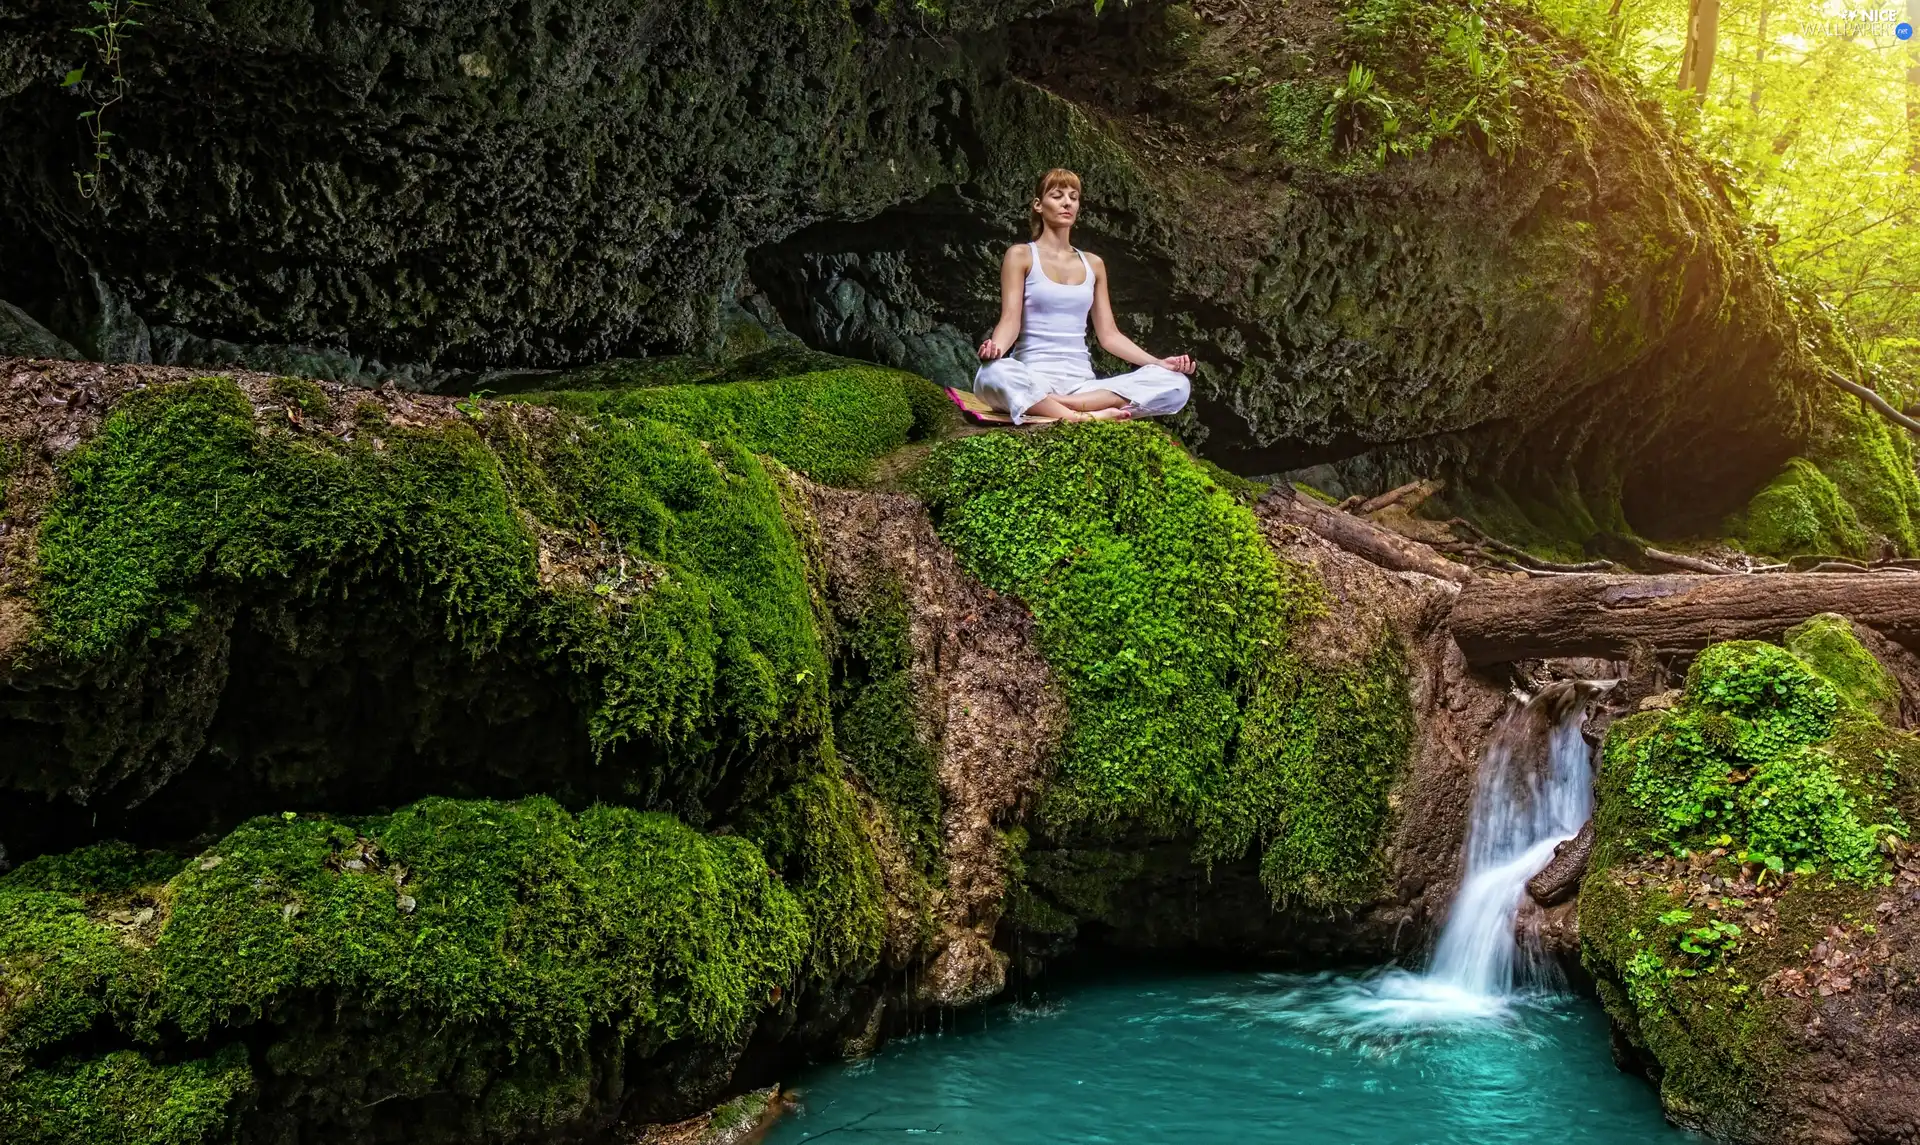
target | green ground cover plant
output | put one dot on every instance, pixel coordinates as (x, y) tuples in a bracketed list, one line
[(828, 424), (1168, 620)]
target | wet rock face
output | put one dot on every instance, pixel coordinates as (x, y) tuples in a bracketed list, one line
[(474, 186), (984, 701), (465, 187)]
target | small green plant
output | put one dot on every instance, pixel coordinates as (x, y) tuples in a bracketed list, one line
[(1359, 107), (1712, 941), (1244, 78), (109, 38), (1748, 763)]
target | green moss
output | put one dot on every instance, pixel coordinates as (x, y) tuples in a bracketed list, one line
[(1168, 620), (497, 952), (1553, 521), (520, 919), (812, 832), (62, 972), (1826, 644), (1242, 489), (127, 1098), (1424, 74), (1082, 881), (830, 425), (875, 726), (1871, 465), (684, 614), (1742, 764), (728, 634), (1296, 117), (1320, 751), (742, 1111), (1684, 984), (1156, 599), (1801, 512)]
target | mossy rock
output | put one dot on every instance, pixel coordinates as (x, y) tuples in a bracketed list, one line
[(641, 590), (1746, 840), (1871, 464), (1801, 512), (126, 1098), (831, 425), (536, 942), (1827, 644), (1168, 619)]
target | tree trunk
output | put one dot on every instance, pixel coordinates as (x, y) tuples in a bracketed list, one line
[(1361, 537), (1703, 39), (1913, 106), (1610, 616)]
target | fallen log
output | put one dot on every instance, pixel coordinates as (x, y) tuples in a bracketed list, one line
[(1403, 496), (1609, 617), (1682, 561), (1359, 536)]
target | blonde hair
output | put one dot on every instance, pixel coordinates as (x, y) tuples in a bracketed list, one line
[(1058, 177)]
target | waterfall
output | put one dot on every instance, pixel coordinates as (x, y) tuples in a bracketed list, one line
[(1523, 808), (1533, 791)]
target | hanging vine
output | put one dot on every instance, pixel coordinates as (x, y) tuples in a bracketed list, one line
[(109, 38)]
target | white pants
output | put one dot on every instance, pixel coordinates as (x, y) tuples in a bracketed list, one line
[(1013, 386)]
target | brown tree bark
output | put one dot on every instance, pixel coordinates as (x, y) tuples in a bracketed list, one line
[(1610, 616), (1913, 106), (1703, 39), (1361, 537)]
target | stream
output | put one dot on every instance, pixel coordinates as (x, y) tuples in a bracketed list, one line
[(1485, 1046)]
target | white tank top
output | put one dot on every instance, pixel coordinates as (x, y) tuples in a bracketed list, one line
[(1053, 322)]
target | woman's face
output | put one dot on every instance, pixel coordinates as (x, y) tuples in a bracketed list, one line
[(1059, 206)]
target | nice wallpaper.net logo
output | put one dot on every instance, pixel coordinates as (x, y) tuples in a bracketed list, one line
[(1845, 20)]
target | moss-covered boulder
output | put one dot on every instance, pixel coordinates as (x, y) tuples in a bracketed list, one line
[(1854, 494), (1240, 758), (1748, 915), (491, 967), (1801, 512), (288, 591), (1512, 261)]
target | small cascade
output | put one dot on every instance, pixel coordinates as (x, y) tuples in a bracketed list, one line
[(1534, 791), (1523, 808)]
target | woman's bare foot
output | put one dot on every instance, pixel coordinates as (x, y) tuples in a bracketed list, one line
[(1112, 413)]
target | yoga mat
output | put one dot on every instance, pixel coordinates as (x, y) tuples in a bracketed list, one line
[(971, 405)]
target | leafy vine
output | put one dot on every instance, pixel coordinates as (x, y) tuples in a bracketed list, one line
[(109, 38)]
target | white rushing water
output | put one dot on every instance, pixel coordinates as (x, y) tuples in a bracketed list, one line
[(1521, 812), (1523, 807)]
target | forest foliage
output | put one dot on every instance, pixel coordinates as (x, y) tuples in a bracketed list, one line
[(1812, 112)]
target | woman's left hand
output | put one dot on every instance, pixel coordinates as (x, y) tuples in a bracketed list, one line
[(1179, 364)]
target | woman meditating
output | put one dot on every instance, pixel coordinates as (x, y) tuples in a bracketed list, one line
[(1047, 288)]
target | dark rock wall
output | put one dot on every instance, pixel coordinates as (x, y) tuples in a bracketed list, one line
[(481, 187), (523, 184)]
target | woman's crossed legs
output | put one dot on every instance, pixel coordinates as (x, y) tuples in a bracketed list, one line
[(1010, 385)]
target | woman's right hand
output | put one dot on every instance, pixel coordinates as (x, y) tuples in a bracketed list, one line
[(990, 350)]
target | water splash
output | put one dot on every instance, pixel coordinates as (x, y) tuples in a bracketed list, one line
[(1534, 791)]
